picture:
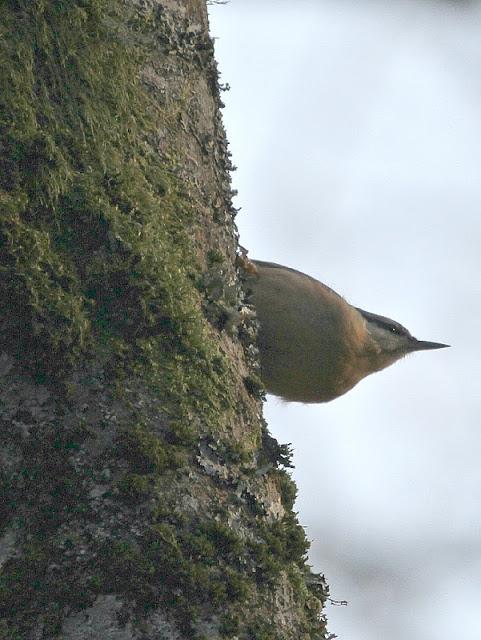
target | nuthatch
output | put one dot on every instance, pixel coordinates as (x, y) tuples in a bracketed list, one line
[(313, 345)]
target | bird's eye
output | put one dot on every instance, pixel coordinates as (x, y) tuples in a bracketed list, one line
[(396, 331)]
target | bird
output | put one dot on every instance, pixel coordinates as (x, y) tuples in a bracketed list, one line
[(313, 345)]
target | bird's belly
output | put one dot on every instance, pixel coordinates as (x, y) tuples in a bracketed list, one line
[(298, 373)]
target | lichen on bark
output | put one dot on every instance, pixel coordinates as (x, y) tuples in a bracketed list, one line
[(141, 494)]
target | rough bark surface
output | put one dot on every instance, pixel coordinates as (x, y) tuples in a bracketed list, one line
[(141, 496)]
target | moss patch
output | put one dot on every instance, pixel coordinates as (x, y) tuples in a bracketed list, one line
[(95, 232), (188, 569)]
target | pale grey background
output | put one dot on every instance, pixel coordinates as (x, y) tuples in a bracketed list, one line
[(356, 129)]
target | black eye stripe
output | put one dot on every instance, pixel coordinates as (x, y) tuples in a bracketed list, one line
[(399, 330), (385, 323)]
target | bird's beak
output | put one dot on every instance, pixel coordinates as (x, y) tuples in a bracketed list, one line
[(421, 345)]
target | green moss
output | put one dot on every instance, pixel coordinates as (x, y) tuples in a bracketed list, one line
[(273, 452), (7, 502), (254, 386), (53, 488), (21, 579), (95, 583), (186, 566), (229, 624), (9, 631), (219, 539), (146, 452), (214, 256), (287, 489), (84, 211), (283, 543), (261, 629), (96, 233), (50, 138), (135, 487), (191, 565)]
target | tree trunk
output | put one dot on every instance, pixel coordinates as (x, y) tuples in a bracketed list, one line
[(141, 496)]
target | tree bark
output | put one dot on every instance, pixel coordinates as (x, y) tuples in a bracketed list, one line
[(141, 495)]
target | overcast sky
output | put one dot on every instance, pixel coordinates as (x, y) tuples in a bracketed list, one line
[(356, 129)]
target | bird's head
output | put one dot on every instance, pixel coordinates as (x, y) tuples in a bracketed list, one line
[(388, 340)]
